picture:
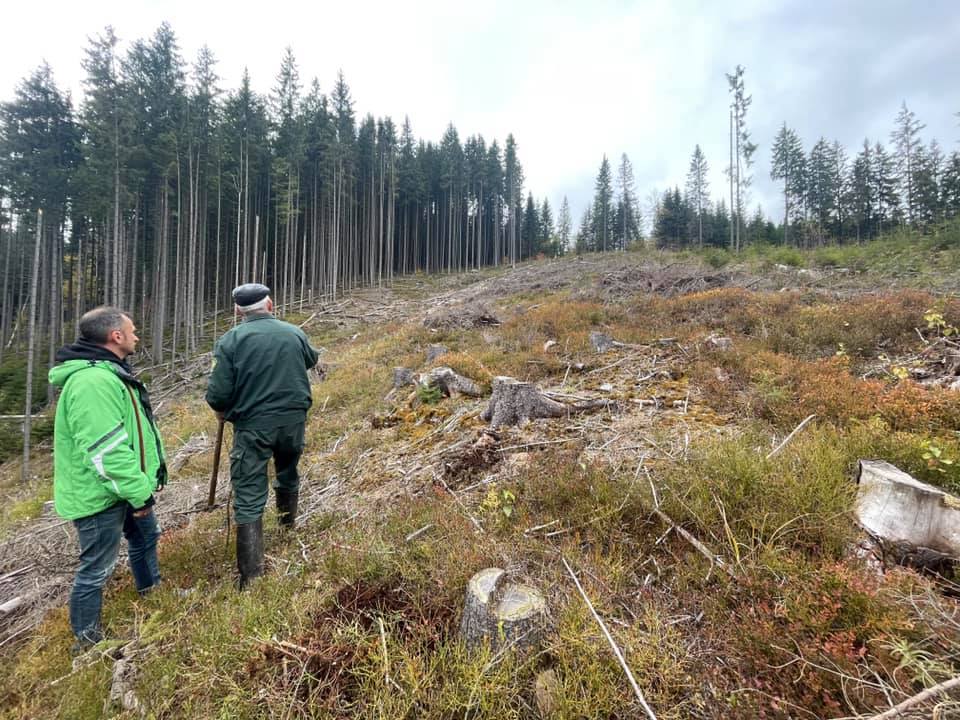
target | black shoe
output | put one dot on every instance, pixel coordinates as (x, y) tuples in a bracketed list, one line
[(250, 551), (287, 507)]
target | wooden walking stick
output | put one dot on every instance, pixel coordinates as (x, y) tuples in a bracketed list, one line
[(216, 465)]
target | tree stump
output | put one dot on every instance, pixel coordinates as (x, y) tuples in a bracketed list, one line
[(601, 341), (915, 524), (514, 403), (450, 382), (402, 377), (502, 613), (435, 351)]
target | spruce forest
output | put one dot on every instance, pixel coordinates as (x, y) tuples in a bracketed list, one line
[(162, 191)]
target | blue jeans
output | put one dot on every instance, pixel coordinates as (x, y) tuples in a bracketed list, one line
[(99, 537)]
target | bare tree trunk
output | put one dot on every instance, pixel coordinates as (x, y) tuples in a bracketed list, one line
[(131, 304), (31, 335), (4, 300), (216, 255), (53, 327), (79, 270), (177, 272)]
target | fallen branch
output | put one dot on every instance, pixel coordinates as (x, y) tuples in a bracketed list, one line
[(789, 437), (698, 546), (11, 605), (613, 645), (417, 533), (459, 502), (897, 710)]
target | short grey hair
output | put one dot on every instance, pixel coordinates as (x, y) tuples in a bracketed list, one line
[(97, 324), (258, 305)]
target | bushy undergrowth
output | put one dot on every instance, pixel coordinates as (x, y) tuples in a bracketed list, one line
[(358, 615), (901, 252), (749, 505)]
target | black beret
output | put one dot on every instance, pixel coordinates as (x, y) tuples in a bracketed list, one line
[(250, 294)]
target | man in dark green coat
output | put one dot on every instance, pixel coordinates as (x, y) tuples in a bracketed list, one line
[(107, 462), (259, 383)]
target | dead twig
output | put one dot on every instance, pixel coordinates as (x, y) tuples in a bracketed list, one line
[(613, 645), (789, 437), (698, 546), (921, 697)]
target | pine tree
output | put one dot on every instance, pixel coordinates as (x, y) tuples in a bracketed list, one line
[(530, 231), (741, 152), (603, 211), (564, 227), (906, 141), (548, 241), (841, 190), (586, 242), (698, 195), (672, 220), (626, 226), (789, 164), (883, 174), (821, 194), (950, 186), (513, 186), (863, 189), (927, 169)]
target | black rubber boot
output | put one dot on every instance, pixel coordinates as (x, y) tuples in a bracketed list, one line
[(250, 551), (287, 507)]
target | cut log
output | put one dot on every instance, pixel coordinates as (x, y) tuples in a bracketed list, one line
[(12, 605), (502, 613), (717, 342), (916, 524), (121, 687), (435, 351), (450, 382), (514, 403)]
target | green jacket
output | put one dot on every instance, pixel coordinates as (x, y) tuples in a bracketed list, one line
[(259, 377), (97, 457)]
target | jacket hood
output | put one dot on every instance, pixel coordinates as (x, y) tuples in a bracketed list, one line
[(83, 349), (83, 354), (59, 374)]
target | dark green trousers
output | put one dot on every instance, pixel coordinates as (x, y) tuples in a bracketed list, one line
[(252, 450)]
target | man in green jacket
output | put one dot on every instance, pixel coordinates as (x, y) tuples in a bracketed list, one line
[(259, 383), (108, 462)]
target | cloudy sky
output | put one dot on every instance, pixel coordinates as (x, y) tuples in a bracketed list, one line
[(571, 80)]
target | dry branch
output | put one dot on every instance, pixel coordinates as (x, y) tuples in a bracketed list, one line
[(613, 645), (921, 697), (789, 437)]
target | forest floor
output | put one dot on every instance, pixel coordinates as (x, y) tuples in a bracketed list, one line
[(406, 495)]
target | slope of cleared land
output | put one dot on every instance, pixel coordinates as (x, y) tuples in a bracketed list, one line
[(407, 494)]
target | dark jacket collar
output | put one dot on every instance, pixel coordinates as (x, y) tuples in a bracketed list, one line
[(259, 315), (84, 349)]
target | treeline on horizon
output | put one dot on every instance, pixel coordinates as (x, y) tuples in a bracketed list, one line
[(162, 190), (828, 196)]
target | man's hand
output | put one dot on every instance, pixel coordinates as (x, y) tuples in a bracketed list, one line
[(142, 512), (161, 477)]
